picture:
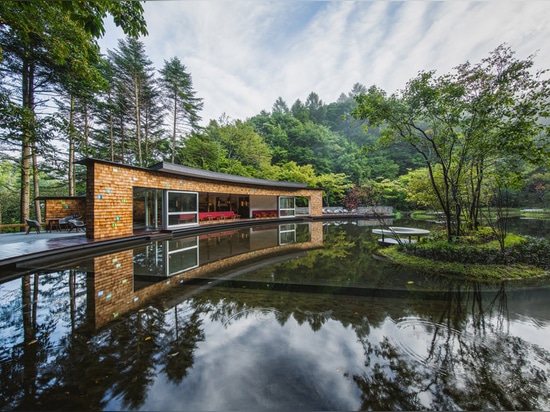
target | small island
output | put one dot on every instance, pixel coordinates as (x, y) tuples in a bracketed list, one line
[(476, 256)]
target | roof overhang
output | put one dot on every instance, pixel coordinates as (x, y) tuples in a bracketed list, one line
[(222, 177), (199, 174)]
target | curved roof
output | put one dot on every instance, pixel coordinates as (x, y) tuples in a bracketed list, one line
[(222, 177)]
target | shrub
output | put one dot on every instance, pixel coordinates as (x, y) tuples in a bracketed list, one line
[(530, 251)]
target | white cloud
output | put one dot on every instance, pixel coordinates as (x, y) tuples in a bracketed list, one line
[(242, 55)]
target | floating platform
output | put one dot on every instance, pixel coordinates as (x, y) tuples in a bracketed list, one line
[(389, 241), (395, 235)]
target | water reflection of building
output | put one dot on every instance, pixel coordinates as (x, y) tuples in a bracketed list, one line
[(124, 280)]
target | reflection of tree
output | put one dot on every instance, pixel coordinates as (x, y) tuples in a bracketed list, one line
[(137, 341), (470, 363), (389, 385), (315, 320), (185, 333), (148, 259), (342, 260)]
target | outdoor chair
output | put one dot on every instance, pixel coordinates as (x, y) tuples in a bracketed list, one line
[(32, 224), (64, 222), (76, 224)]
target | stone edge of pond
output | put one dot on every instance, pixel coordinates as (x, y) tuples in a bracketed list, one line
[(464, 271)]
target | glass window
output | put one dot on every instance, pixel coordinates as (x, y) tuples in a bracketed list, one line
[(147, 211), (183, 254), (287, 234), (287, 206), (182, 208)]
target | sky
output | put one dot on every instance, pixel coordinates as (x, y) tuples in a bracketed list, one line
[(244, 54)]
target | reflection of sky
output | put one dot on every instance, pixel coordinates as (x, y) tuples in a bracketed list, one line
[(255, 362), (531, 331), (250, 361)]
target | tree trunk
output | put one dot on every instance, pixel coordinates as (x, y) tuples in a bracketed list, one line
[(174, 127), (26, 137), (71, 149), (122, 135), (25, 179), (112, 134), (138, 119), (146, 132), (36, 183), (86, 129)]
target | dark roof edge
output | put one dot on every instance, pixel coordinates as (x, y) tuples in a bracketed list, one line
[(223, 177)]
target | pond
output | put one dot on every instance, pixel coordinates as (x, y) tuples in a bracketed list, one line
[(294, 316)]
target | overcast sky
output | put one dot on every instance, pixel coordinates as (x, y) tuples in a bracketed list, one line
[(244, 54)]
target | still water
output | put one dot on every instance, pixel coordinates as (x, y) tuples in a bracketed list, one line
[(294, 316)]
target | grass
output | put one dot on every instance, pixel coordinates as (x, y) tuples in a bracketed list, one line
[(476, 256), (466, 271), (535, 214)]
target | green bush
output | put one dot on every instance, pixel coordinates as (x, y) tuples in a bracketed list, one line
[(530, 251)]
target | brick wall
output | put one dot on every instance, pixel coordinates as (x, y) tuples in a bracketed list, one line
[(60, 207), (109, 195)]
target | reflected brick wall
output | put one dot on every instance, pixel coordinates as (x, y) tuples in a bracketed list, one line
[(113, 287)]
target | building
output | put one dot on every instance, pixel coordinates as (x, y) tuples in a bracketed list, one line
[(121, 199)]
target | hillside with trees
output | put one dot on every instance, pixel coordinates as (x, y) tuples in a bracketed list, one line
[(453, 142)]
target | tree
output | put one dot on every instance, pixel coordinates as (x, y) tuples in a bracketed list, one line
[(462, 123), (292, 172), (420, 193), (8, 174), (179, 100), (134, 84), (334, 187), (316, 108), (243, 145), (75, 112), (230, 147), (203, 151), (270, 128), (39, 40), (280, 106), (106, 112), (300, 111)]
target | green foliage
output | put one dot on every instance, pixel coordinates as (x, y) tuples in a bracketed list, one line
[(473, 272), (179, 100), (8, 192), (292, 172), (468, 126), (484, 249), (45, 43), (536, 191), (334, 186), (419, 189)]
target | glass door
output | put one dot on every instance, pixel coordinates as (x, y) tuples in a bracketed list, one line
[(287, 206), (147, 211)]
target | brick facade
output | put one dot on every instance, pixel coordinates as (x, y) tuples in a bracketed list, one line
[(109, 205), (58, 207)]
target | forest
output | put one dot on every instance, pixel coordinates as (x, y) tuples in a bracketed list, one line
[(456, 142)]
